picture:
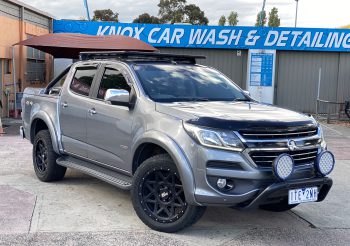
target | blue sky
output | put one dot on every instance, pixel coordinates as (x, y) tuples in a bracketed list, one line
[(312, 13)]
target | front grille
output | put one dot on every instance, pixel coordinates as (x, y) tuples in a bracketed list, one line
[(301, 157), (266, 135)]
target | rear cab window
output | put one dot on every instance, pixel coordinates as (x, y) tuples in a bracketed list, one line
[(82, 80)]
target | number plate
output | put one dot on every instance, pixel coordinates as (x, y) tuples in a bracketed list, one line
[(302, 195)]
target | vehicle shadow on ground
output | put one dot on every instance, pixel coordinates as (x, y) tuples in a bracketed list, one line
[(213, 219)]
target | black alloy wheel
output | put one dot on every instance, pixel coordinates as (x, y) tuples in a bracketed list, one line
[(158, 196), (44, 158), (162, 194), (41, 156)]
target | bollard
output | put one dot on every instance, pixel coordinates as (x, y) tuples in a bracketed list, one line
[(2, 131)]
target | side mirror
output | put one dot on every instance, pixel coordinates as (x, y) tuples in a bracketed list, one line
[(118, 97)]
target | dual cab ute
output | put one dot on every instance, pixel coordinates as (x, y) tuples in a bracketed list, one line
[(179, 135)]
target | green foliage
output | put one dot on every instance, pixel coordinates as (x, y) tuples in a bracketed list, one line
[(172, 11), (146, 18), (232, 19), (105, 15), (261, 19), (195, 15), (274, 20), (176, 11), (222, 21)]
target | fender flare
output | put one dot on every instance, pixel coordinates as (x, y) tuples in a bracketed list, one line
[(41, 115), (176, 153)]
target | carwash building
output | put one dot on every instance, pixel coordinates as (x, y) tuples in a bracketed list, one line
[(290, 67)]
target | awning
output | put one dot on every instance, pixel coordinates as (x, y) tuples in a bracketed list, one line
[(68, 45)]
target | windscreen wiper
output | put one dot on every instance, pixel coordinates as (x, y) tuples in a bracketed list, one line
[(241, 100)]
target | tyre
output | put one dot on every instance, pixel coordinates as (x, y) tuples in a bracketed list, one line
[(44, 158), (278, 207), (158, 196)]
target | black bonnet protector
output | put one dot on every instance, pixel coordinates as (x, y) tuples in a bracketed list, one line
[(253, 125)]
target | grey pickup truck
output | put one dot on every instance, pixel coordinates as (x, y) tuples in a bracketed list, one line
[(179, 135)]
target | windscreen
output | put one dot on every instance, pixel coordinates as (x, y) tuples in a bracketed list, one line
[(176, 83)]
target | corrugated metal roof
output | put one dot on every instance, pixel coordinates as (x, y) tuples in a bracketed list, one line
[(19, 3)]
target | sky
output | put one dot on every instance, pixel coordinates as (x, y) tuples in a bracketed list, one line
[(312, 13)]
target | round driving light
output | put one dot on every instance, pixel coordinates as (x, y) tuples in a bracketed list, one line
[(283, 166), (221, 183), (325, 163)]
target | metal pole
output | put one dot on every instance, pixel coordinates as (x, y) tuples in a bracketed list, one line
[(87, 9), (14, 79), (261, 13), (318, 90), (296, 13)]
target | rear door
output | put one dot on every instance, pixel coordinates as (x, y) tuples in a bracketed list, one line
[(74, 106), (109, 127)]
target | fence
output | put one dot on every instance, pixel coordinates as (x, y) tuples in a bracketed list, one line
[(332, 110)]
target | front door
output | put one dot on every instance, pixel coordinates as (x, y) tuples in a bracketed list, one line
[(74, 106), (109, 126)]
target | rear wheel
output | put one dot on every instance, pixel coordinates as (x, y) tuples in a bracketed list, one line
[(44, 158), (158, 196), (281, 206)]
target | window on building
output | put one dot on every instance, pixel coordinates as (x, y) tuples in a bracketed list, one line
[(36, 66), (112, 79), (7, 67), (82, 80)]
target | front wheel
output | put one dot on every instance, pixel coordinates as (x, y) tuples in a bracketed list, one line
[(158, 196)]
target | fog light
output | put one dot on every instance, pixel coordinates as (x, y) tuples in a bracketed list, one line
[(283, 166), (221, 183), (325, 163)]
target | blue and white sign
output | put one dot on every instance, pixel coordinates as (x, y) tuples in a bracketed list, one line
[(261, 66), (218, 37), (261, 74)]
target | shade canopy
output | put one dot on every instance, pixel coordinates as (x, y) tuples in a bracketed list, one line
[(69, 45)]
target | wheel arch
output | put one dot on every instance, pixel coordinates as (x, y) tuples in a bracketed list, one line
[(41, 121), (164, 144)]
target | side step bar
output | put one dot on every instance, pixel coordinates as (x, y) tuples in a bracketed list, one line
[(121, 181)]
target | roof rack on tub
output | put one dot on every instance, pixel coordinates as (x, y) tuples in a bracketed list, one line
[(139, 56)]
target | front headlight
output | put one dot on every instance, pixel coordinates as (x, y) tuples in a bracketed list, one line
[(214, 138)]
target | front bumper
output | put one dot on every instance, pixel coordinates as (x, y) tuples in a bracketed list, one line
[(280, 190), (252, 186)]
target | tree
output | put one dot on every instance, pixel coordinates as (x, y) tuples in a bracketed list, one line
[(172, 11), (194, 15), (146, 18), (222, 20), (105, 15), (261, 16), (232, 19), (274, 20)]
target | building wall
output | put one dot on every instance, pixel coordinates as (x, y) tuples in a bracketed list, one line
[(229, 62), (16, 24), (296, 78)]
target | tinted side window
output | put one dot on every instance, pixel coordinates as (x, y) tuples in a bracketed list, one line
[(82, 80), (112, 79)]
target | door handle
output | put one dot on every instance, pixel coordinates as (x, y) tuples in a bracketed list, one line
[(92, 111), (64, 105)]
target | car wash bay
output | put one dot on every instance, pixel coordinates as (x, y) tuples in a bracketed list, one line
[(296, 74)]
